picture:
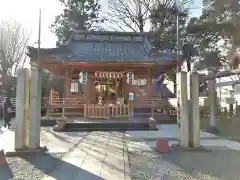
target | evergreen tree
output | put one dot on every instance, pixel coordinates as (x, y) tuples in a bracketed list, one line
[(164, 25), (217, 29), (78, 15)]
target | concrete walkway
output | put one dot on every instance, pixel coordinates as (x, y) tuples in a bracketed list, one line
[(147, 139), (100, 155)]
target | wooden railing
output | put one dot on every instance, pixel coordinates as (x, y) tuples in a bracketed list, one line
[(203, 112), (106, 111), (151, 107), (64, 106), (57, 101)]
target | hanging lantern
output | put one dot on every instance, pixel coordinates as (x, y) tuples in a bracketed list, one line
[(130, 77), (83, 77)]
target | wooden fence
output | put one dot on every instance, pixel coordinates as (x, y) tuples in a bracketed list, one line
[(203, 111), (79, 107), (64, 106), (106, 111)]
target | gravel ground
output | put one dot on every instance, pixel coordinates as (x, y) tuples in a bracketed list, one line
[(33, 166), (36, 165), (207, 165)]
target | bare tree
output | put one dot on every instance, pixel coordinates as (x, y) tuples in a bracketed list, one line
[(13, 42), (134, 14), (128, 14)]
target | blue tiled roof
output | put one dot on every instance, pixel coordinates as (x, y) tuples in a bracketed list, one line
[(163, 56), (106, 46), (104, 51)]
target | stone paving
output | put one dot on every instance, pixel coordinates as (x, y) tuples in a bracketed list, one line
[(121, 156), (101, 155)]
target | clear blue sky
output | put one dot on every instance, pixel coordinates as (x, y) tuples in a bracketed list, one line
[(26, 12)]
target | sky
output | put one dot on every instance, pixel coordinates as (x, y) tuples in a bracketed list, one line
[(26, 12)]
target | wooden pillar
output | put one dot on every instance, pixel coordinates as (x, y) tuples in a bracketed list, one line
[(175, 86), (66, 82), (149, 81), (51, 96), (87, 88)]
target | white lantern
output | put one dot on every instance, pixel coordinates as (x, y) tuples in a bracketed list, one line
[(130, 77), (83, 77)]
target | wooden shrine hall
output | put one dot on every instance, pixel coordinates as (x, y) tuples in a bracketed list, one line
[(106, 74)]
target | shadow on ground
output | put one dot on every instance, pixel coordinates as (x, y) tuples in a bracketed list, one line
[(6, 172), (38, 165), (214, 165), (222, 164)]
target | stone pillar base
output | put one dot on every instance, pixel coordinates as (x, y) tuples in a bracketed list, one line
[(152, 124), (212, 129), (19, 152), (59, 126)]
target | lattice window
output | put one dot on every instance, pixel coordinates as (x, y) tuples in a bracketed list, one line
[(74, 86)]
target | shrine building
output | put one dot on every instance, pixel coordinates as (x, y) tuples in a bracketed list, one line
[(105, 73)]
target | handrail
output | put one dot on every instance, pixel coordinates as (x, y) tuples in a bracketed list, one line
[(54, 101)]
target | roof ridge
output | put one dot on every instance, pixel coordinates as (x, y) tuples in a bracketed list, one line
[(122, 33), (83, 35)]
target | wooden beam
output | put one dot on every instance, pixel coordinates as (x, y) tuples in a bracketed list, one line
[(108, 64)]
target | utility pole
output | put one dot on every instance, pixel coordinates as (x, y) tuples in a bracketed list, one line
[(39, 36), (36, 96)]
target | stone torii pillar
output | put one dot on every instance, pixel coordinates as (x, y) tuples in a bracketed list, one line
[(195, 118), (22, 104), (188, 123), (183, 109), (35, 108), (28, 120)]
